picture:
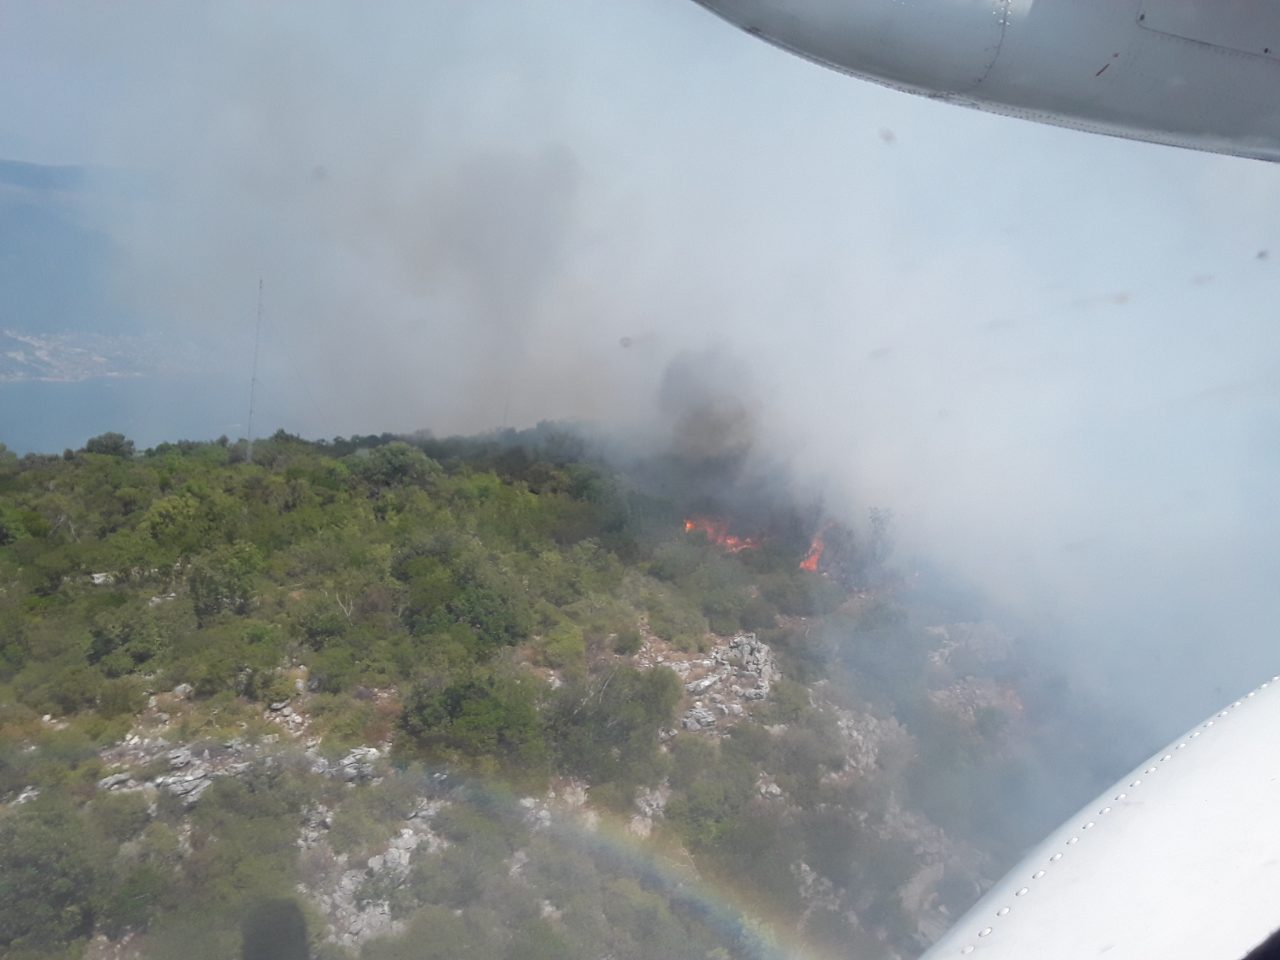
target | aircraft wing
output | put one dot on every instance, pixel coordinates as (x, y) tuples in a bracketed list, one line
[(1180, 859)]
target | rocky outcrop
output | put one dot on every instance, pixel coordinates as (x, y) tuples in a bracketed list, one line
[(360, 765), (735, 674), (187, 771), (341, 888), (651, 804)]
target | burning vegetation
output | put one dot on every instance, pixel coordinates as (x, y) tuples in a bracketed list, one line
[(814, 556), (717, 532)]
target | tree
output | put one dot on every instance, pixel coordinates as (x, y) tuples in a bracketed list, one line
[(222, 581), (111, 445), (492, 605), (397, 464), (483, 714), (50, 877), (122, 640)]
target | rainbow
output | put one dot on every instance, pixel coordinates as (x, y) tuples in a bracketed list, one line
[(604, 836)]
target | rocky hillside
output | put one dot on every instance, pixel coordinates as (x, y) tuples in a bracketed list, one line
[(480, 698)]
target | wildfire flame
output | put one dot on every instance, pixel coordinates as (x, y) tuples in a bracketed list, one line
[(816, 546), (717, 531)]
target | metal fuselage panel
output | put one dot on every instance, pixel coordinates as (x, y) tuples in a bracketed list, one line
[(1203, 80)]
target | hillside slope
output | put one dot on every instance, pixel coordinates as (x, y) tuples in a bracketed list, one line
[(482, 698)]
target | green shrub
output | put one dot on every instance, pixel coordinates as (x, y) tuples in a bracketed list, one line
[(480, 714), (627, 641), (676, 622), (606, 728), (564, 648), (222, 581), (52, 877), (119, 816)]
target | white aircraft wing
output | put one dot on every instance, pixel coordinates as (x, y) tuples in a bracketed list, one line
[(1180, 860)]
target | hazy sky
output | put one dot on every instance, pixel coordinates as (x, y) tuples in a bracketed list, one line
[(1054, 356)]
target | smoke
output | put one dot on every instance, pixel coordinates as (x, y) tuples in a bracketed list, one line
[(1052, 356), (702, 404)]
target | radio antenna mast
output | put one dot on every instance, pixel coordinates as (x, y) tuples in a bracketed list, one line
[(253, 379)]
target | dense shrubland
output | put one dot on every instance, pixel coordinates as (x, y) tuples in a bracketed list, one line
[(475, 604)]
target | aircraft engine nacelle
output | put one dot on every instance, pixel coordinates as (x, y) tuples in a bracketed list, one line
[(1203, 74)]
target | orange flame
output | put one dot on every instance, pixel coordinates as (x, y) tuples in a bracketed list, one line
[(717, 531), (816, 546)]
